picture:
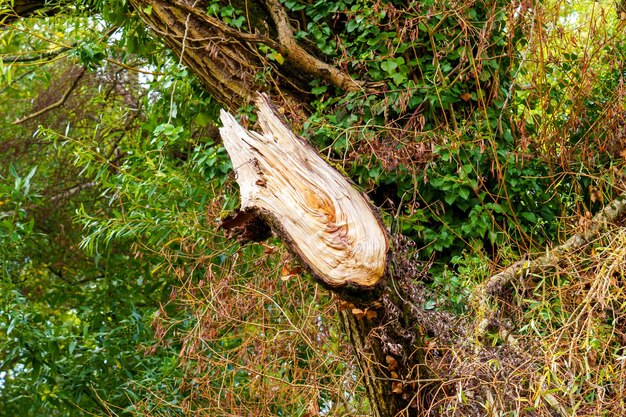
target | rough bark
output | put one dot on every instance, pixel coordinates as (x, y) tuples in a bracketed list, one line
[(227, 60), (222, 58)]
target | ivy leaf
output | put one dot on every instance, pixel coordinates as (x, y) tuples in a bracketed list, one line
[(450, 198), (319, 90), (389, 66), (202, 119), (399, 77), (531, 217), (351, 25), (464, 193)]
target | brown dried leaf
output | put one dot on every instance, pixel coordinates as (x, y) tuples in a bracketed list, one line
[(392, 363), (289, 272), (370, 314), (466, 96), (358, 312), (396, 387), (268, 249), (345, 305)]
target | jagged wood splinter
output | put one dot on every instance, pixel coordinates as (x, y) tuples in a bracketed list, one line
[(311, 206)]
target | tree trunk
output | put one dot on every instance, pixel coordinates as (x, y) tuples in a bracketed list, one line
[(285, 185), (228, 61), (224, 59), (332, 228)]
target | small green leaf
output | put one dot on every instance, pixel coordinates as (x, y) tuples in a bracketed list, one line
[(399, 77), (450, 198), (352, 25), (375, 172), (12, 325), (319, 90), (213, 9), (202, 119), (238, 22), (389, 66)]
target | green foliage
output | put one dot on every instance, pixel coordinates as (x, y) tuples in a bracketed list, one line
[(75, 350), (447, 74), (75, 326), (441, 143), (228, 14)]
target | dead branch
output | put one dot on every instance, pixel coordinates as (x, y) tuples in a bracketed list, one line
[(35, 58), (56, 104), (72, 191), (55, 198), (298, 56), (611, 214)]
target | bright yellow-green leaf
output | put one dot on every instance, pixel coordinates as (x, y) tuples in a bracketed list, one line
[(276, 56)]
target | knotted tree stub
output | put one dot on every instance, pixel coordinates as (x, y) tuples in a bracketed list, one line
[(315, 210)]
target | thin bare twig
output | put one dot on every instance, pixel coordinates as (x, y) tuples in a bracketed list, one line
[(35, 58), (56, 104)]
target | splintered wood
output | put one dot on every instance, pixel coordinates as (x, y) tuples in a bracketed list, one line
[(311, 206)]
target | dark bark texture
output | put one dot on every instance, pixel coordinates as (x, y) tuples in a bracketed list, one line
[(227, 60), (24, 8)]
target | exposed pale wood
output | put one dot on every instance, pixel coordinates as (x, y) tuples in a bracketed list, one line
[(317, 211)]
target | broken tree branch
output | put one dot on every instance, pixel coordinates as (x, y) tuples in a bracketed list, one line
[(333, 229), (36, 58), (312, 207), (611, 213)]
